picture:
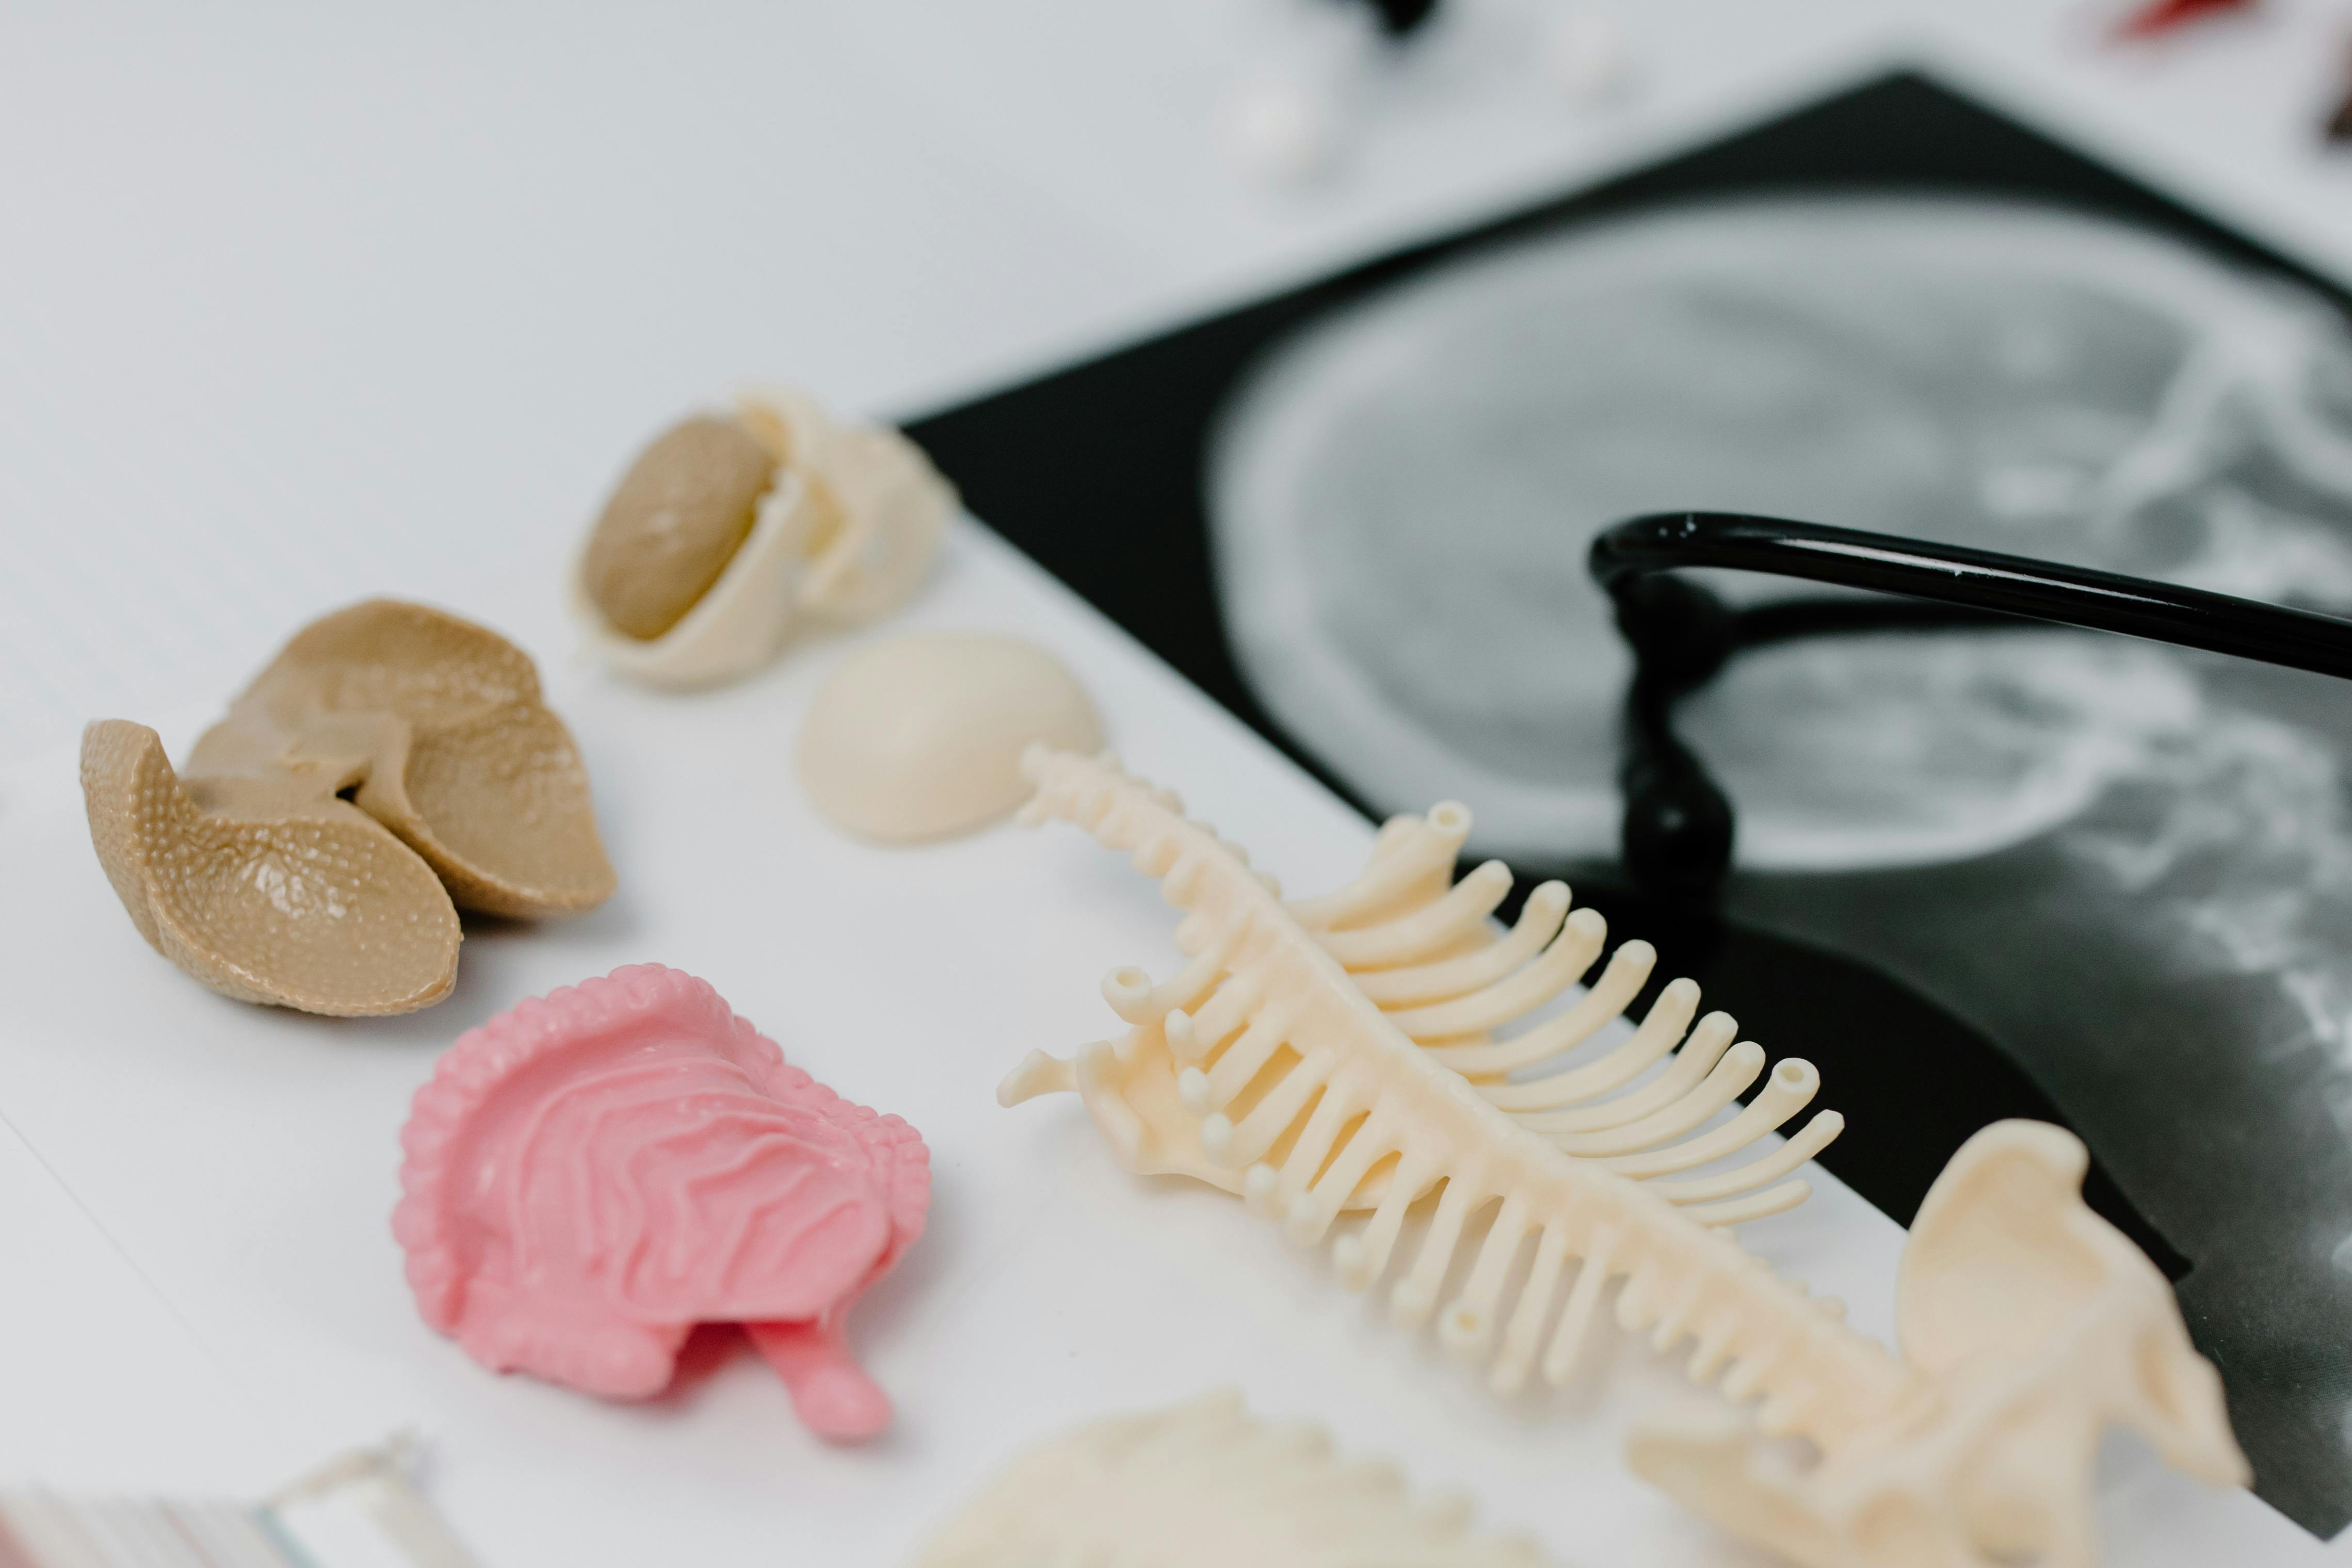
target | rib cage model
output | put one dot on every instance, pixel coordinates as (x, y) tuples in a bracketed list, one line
[(1315, 1055), (1339, 1053)]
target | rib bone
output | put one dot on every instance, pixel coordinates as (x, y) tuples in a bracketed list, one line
[(1338, 1054), (1287, 1083)]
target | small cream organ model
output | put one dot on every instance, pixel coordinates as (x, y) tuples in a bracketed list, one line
[(392, 766), (1204, 1486), (732, 529), (1340, 1053), (920, 737)]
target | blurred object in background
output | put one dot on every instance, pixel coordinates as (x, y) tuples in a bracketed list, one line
[(1398, 17), (1281, 130), (1321, 76), (2162, 17), (2339, 124), (363, 1510), (1283, 125), (1586, 56)]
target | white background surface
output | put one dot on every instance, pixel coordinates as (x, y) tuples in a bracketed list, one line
[(297, 306)]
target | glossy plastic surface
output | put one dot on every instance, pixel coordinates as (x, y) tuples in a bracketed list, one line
[(1678, 827), (593, 1172)]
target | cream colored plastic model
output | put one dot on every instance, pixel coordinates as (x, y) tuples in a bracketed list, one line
[(2029, 1326), (1338, 1052), (1204, 1486), (844, 531), (922, 737)]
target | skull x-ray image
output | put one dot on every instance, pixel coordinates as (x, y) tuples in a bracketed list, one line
[(2129, 865)]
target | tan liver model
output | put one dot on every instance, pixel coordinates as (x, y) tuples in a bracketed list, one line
[(920, 737), (391, 764)]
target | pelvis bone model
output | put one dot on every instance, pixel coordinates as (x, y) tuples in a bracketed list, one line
[(1338, 1054), (392, 765)]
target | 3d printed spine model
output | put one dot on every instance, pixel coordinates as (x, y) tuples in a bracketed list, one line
[(1204, 1486), (1338, 1052)]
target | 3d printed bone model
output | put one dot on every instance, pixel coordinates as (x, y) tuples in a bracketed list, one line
[(595, 1172), (730, 531), (1337, 1053), (392, 766), (1204, 1486)]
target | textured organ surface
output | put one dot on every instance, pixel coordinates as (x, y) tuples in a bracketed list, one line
[(593, 1172), (1204, 1486), (440, 725), (392, 762), (319, 908)]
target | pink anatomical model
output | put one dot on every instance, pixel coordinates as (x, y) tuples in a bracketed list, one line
[(595, 1172)]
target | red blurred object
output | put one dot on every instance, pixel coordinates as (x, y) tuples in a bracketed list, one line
[(2160, 16)]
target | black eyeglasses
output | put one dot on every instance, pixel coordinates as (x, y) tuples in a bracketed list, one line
[(1677, 826)]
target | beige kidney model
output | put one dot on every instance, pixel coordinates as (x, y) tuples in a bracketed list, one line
[(921, 736), (1204, 1486), (730, 530)]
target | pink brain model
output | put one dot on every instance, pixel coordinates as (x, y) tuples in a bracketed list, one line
[(595, 1172)]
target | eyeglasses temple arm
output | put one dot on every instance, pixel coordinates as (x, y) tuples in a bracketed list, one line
[(1972, 579)]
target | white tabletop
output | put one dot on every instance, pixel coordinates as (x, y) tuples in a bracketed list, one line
[(298, 307)]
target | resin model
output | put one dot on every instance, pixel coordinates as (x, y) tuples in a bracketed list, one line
[(598, 1171), (392, 765), (1335, 1052), (730, 530), (920, 737), (2029, 1326), (1204, 1486)]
